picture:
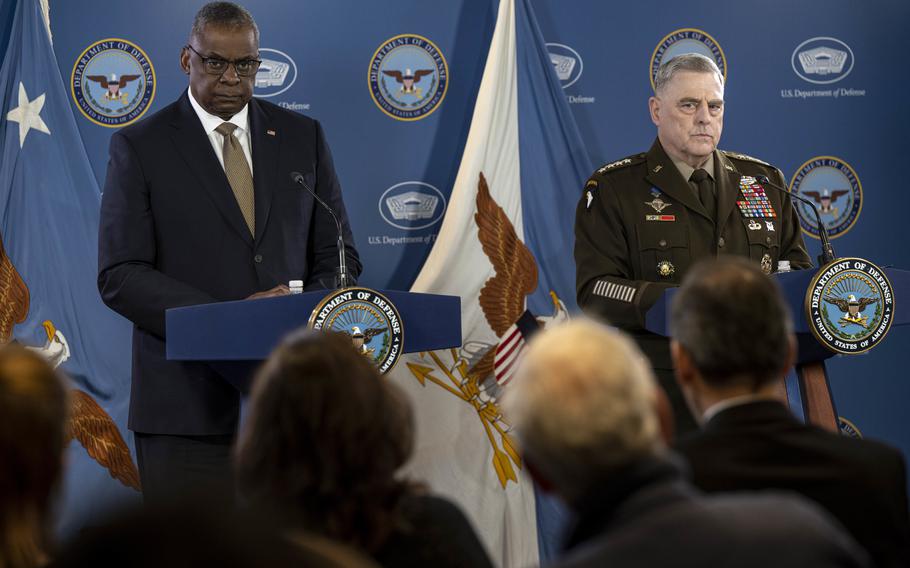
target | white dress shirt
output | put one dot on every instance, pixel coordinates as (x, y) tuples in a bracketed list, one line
[(210, 122)]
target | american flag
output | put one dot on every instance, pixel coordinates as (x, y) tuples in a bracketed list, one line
[(511, 345)]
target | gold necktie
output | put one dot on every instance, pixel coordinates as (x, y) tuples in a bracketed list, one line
[(238, 173)]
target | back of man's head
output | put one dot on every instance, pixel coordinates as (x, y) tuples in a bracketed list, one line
[(731, 320), (583, 406)]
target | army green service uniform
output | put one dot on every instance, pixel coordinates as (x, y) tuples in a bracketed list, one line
[(639, 226)]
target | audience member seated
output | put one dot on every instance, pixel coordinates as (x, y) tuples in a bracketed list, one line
[(33, 407), (733, 343), (321, 446), (193, 533), (583, 406)]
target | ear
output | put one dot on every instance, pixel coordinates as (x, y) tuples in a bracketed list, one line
[(185, 60), (683, 367), (654, 107)]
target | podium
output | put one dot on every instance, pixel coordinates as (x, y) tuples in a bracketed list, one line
[(806, 385), (234, 337)]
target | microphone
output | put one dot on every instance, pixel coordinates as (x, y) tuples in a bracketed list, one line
[(827, 254), (344, 280)]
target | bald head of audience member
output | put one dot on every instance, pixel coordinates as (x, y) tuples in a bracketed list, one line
[(732, 333), (584, 405), (33, 410)]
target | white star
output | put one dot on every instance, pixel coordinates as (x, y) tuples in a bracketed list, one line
[(27, 114)]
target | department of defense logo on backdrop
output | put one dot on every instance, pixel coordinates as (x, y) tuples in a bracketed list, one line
[(276, 74), (849, 305), (687, 40), (567, 62), (113, 82), (408, 77), (412, 205), (371, 320), (836, 190), (822, 60)]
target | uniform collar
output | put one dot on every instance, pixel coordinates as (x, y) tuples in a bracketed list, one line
[(210, 122), (686, 170)]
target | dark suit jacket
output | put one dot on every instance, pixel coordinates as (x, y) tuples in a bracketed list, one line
[(173, 235), (761, 445), (651, 516), (433, 532)]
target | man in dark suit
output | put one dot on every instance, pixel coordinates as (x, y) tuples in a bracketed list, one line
[(732, 345), (584, 406), (199, 207)]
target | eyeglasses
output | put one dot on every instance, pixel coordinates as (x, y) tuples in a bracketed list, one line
[(218, 66)]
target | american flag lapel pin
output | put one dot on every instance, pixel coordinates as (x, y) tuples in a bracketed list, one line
[(270, 132)]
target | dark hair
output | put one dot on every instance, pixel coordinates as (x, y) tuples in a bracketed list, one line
[(225, 15), (324, 439), (33, 411), (732, 320)]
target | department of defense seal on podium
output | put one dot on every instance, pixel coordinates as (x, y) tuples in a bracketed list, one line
[(369, 318), (850, 305)]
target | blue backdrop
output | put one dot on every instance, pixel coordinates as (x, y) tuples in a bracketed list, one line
[(791, 97)]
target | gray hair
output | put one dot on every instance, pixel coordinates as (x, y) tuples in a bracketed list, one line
[(694, 62), (732, 320), (583, 405), (225, 15)]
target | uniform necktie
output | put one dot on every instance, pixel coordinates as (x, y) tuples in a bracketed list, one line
[(705, 190), (238, 173)]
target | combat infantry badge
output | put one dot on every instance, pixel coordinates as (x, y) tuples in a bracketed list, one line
[(849, 305), (369, 318)]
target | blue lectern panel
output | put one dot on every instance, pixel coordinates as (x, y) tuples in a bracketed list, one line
[(249, 329)]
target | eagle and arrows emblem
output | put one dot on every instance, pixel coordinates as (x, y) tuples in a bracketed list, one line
[(478, 372), (852, 308), (113, 86), (826, 199), (408, 80), (88, 422)]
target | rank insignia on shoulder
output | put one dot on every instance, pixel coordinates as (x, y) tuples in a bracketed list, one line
[(745, 157), (620, 163), (665, 269)]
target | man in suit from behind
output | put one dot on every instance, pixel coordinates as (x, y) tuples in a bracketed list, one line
[(199, 207), (584, 405), (732, 345)]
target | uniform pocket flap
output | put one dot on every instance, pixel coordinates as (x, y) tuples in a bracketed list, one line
[(662, 236)]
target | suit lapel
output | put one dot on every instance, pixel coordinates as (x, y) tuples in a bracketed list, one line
[(265, 139), (663, 175), (727, 188), (196, 149)]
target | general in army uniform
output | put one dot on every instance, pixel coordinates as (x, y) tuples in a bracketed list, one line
[(644, 220)]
